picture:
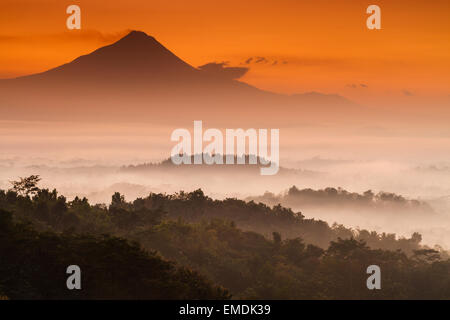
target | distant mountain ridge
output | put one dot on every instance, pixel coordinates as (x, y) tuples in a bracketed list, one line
[(138, 78)]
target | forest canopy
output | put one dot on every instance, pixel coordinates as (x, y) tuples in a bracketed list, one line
[(189, 246)]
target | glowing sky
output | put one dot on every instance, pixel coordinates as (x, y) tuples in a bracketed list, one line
[(301, 45)]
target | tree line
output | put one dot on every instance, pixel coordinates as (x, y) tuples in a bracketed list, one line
[(150, 247)]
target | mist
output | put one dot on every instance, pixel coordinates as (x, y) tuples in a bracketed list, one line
[(96, 160)]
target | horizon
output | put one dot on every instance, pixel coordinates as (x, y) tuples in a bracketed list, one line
[(349, 65)]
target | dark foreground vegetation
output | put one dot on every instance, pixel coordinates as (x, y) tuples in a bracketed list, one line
[(33, 266), (280, 255)]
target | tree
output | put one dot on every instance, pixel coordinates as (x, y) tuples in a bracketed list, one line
[(276, 236), (26, 186)]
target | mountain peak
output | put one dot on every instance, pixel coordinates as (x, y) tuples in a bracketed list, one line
[(136, 34), (135, 38)]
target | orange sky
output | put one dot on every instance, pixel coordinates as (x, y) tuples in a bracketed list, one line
[(318, 45)]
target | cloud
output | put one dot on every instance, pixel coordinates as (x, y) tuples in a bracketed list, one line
[(259, 60), (355, 86), (220, 70), (407, 93), (296, 61), (68, 36), (313, 61)]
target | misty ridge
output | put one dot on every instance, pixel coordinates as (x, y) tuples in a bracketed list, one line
[(246, 163), (381, 211), (247, 159), (338, 198)]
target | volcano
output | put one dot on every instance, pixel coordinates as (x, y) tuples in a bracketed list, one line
[(136, 60), (138, 78), (137, 57)]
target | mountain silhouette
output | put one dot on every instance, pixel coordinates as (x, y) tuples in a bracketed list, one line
[(135, 60), (135, 56), (138, 77)]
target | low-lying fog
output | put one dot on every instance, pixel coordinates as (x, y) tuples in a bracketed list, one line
[(92, 162)]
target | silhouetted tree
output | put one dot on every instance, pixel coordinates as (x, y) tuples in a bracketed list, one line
[(26, 186)]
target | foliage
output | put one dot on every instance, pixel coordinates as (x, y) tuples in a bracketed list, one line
[(26, 186), (255, 251), (254, 267), (34, 267), (337, 198)]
